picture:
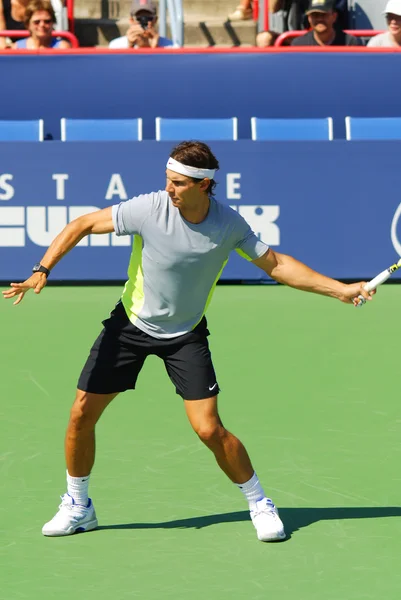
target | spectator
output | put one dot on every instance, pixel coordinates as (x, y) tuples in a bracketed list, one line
[(392, 37), (294, 13), (243, 12), (322, 17), (12, 17), (39, 20), (141, 32), (266, 39)]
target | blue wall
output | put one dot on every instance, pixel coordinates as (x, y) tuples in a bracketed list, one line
[(261, 84), (334, 205)]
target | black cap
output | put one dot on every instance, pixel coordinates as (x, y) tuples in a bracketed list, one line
[(324, 6)]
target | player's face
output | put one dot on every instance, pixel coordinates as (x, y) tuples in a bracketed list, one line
[(183, 191)]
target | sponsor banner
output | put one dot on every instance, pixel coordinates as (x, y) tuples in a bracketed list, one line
[(334, 205)]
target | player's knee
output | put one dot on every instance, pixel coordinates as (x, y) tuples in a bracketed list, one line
[(211, 434), (83, 413)]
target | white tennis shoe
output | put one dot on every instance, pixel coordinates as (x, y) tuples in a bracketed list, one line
[(268, 525), (71, 518)]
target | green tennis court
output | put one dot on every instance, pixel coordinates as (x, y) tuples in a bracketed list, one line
[(310, 386)]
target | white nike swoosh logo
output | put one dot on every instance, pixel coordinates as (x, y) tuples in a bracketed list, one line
[(212, 387)]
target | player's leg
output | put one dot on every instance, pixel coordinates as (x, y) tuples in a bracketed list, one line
[(191, 369), (80, 435), (229, 452), (233, 459), (76, 512), (113, 365)]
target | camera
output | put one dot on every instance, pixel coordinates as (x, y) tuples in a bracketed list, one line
[(144, 20)]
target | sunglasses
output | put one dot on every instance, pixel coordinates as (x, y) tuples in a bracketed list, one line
[(45, 21), (391, 17)]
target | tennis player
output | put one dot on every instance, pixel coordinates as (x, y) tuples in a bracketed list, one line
[(182, 240)]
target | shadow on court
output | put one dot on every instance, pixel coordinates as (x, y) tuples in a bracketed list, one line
[(293, 518)]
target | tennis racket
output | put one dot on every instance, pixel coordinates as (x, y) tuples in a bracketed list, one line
[(378, 280)]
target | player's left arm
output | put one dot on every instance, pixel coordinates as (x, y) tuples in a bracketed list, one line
[(290, 271), (100, 221)]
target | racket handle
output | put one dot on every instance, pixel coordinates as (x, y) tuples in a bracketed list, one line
[(372, 285), (378, 280)]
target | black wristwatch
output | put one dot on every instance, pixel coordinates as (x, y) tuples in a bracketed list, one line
[(38, 268)]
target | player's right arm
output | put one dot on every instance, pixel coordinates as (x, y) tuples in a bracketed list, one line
[(100, 221)]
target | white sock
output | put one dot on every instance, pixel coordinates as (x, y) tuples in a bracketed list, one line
[(252, 491), (77, 488)]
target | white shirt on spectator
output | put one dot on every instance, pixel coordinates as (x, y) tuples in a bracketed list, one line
[(382, 40), (61, 15), (122, 42)]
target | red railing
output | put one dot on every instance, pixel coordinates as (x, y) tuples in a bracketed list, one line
[(255, 8), (97, 51), (355, 32), (20, 33), (70, 15)]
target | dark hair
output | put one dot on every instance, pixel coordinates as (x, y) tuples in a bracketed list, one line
[(36, 6), (196, 154)]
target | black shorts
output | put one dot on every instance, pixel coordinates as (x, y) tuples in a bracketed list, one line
[(118, 354)]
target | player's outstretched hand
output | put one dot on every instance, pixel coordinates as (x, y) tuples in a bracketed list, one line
[(35, 282), (354, 290)]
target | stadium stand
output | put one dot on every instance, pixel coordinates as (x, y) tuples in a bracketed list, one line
[(201, 129), (291, 129), (97, 22), (22, 131), (73, 130)]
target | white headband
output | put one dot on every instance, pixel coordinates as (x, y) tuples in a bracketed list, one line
[(178, 167)]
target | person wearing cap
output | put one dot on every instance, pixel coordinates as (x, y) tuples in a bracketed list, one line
[(322, 17), (294, 17), (142, 33), (182, 239), (392, 37)]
